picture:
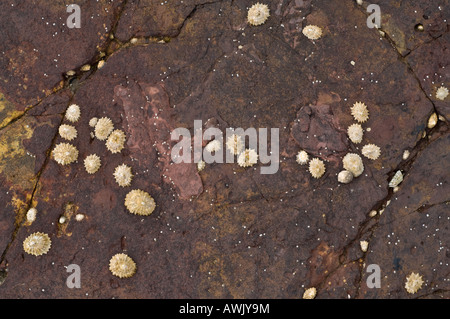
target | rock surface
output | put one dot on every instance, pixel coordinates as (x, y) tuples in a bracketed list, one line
[(227, 231)]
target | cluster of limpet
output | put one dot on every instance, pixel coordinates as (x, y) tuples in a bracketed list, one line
[(65, 153), (122, 266), (258, 14), (37, 244), (139, 202)]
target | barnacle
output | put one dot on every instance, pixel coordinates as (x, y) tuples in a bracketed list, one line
[(93, 121), (31, 215), (122, 266), (442, 93), (249, 157), (258, 14), (139, 202), (353, 163), (302, 157), (371, 151), (316, 168), (396, 180), (234, 144), (413, 283), (355, 133), (312, 32), (432, 120), (73, 113), (201, 166), (67, 132), (123, 175), (213, 146), (37, 244), (115, 141), (360, 112), (345, 177), (92, 163), (103, 128), (310, 293), (65, 153)]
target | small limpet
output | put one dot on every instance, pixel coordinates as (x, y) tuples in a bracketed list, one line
[(360, 112), (73, 113), (371, 151), (312, 32), (258, 14), (92, 163), (247, 158), (139, 202), (65, 153), (353, 163), (413, 283), (310, 293), (37, 244), (122, 266), (302, 157), (316, 168)]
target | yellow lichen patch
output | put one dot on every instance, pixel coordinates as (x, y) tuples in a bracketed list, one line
[(8, 111), (122, 266), (16, 164)]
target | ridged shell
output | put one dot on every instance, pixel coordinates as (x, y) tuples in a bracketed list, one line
[(73, 113), (371, 151), (316, 168), (302, 158), (413, 283), (396, 180), (235, 144), (353, 163), (123, 175), (122, 266), (441, 93), (360, 112), (65, 153), (247, 158), (103, 128), (115, 141), (37, 244), (312, 32), (92, 163), (258, 14), (67, 132), (355, 133), (310, 293), (139, 202)]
